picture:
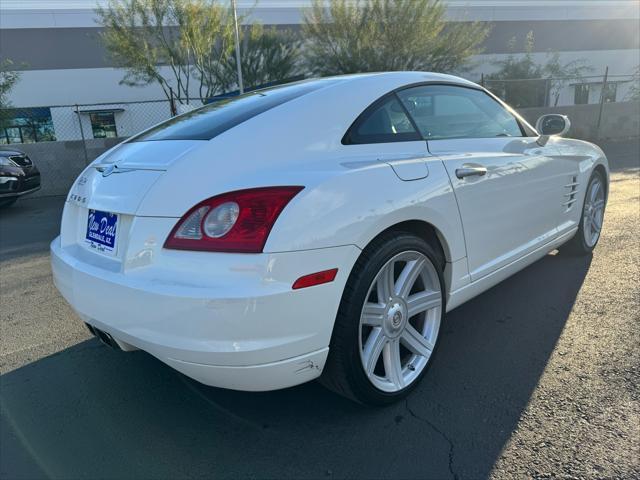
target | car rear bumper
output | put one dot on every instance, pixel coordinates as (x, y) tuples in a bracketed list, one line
[(244, 329)]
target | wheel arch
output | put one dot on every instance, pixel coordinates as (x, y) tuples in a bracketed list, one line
[(428, 232), (600, 168)]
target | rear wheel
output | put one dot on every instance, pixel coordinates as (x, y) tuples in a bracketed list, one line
[(591, 220), (389, 321)]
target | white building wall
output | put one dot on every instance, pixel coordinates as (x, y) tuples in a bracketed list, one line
[(79, 13), (65, 123), (82, 86)]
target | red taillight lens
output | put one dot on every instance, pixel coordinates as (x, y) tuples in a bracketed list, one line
[(233, 222)]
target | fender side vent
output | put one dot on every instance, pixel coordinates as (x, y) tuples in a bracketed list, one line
[(570, 195)]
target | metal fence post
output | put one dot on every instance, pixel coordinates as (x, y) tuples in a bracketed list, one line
[(84, 142), (238, 61), (602, 93), (547, 92), (172, 103)]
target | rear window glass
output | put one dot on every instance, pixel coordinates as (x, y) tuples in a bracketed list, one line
[(384, 122), (215, 118)]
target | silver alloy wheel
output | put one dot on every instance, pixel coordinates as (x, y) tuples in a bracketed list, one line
[(593, 212), (400, 320)]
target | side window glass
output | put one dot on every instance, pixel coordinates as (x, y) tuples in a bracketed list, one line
[(383, 123), (442, 112)]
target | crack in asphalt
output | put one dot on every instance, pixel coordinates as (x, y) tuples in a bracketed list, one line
[(454, 475)]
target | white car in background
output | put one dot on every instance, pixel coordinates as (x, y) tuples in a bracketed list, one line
[(320, 229)]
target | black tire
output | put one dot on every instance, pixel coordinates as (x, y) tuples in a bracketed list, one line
[(343, 372), (578, 245)]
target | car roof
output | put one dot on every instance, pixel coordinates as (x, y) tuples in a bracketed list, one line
[(316, 102), (324, 114), (218, 117), (401, 78)]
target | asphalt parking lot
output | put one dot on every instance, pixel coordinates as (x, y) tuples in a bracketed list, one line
[(537, 377)]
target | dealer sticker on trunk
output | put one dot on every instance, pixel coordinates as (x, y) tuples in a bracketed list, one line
[(101, 231)]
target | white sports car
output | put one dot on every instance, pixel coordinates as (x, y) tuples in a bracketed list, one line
[(320, 229)]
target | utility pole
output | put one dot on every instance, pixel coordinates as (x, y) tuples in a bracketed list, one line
[(84, 141), (602, 99), (238, 63)]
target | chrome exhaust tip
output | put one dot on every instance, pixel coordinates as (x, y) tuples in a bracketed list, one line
[(104, 337)]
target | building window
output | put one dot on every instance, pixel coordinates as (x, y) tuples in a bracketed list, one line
[(103, 125), (581, 96), (26, 125), (610, 92)]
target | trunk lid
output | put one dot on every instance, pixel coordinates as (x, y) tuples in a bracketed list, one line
[(148, 155), (119, 179)]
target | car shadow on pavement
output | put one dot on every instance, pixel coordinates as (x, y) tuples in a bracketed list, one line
[(88, 411), (29, 226)]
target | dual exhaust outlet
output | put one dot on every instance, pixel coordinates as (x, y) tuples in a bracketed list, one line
[(104, 337)]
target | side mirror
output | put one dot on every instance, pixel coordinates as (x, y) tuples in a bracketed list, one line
[(553, 124)]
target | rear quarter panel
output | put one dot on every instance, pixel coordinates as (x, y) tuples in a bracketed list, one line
[(362, 199)]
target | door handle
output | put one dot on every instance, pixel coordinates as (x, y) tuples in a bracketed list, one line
[(470, 172)]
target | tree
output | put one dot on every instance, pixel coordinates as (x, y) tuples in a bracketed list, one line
[(560, 74), (379, 35), (509, 81), (522, 82), (268, 55), (210, 40), (8, 78), (187, 36)]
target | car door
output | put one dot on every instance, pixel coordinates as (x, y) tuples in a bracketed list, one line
[(508, 187), (384, 133)]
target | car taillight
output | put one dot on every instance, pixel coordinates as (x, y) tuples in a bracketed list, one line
[(237, 221)]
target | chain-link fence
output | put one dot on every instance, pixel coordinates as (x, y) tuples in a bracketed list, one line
[(80, 122), (63, 139), (563, 91), (89, 122), (599, 106)]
